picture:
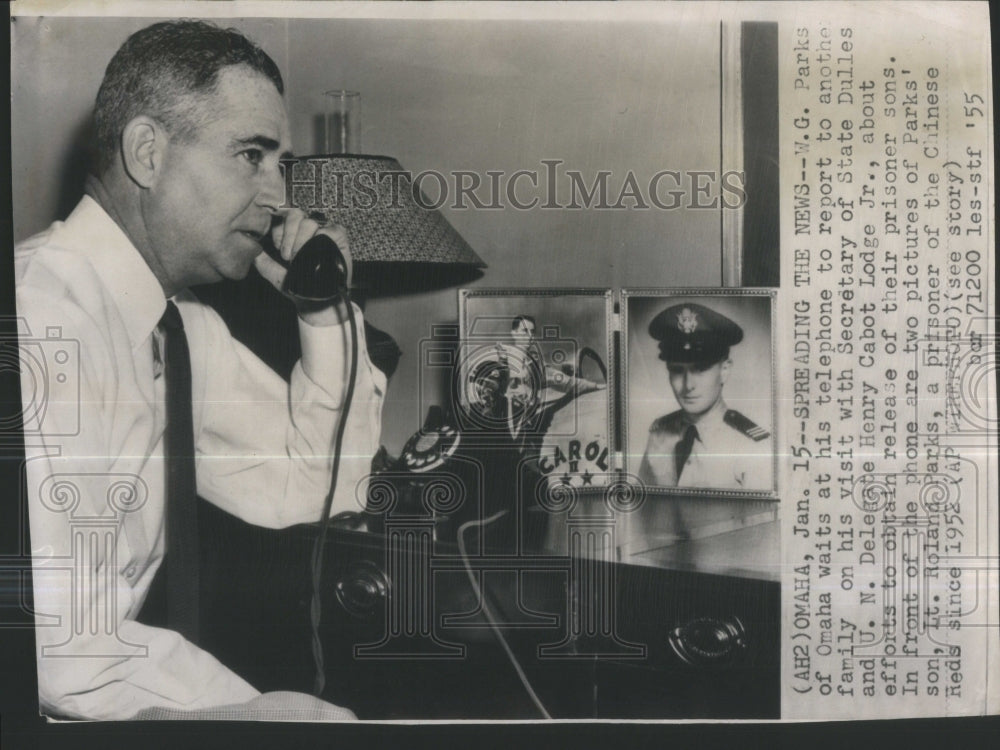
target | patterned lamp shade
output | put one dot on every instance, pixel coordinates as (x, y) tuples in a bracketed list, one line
[(400, 242)]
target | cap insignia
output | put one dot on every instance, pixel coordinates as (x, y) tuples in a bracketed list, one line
[(687, 320)]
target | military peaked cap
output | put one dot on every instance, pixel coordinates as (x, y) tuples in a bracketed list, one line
[(693, 333)]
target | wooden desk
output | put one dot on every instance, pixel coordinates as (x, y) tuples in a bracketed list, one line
[(255, 619)]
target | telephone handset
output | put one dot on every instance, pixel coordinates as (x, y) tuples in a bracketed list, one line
[(318, 272)]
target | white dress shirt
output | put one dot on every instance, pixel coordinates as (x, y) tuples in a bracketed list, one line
[(94, 423), (723, 456)]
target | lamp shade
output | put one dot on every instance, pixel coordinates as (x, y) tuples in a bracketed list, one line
[(400, 242)]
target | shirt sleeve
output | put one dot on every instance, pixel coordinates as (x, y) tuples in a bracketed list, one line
[(266, 447), (646, 469), (657, 466), (94, 660)]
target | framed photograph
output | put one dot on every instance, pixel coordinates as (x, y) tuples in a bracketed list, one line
[(699, 395), (535, 367)]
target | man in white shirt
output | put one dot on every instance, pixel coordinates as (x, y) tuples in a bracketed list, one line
[(190, 127), (704, 444)]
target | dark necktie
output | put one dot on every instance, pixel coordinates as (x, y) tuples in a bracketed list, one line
[(181, 509), (683, 450)]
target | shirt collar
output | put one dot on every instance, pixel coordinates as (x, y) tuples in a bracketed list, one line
[(712, 420), (130, 282)]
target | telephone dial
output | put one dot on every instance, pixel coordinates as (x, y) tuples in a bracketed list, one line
[(430, 447)]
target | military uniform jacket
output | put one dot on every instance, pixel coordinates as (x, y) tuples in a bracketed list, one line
[(730, 452)]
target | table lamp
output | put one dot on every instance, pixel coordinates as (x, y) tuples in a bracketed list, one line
[(400, 242)]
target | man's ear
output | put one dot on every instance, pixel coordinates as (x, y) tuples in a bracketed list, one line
[(727, 366), (144, 144)]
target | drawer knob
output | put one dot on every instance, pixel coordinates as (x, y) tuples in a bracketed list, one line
[(362, 589), (709, 641)]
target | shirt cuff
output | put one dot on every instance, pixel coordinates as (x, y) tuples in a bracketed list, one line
[(326, 353)]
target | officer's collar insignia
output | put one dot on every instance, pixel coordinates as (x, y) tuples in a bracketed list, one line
[(687, 320)]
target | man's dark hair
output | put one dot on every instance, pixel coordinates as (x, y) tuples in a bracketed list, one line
[(162, 71), (517, 321)]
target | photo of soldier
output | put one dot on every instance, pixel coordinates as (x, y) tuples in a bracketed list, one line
[(703, 443)]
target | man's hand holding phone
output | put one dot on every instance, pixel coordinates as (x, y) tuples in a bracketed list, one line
[(290, 233)]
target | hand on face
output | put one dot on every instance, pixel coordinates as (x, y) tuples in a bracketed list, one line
[(293, 230)]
